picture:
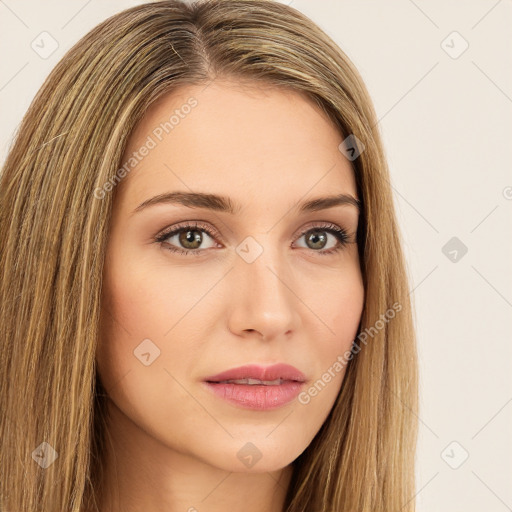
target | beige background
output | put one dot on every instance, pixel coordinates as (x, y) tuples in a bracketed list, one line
[(446, 121)]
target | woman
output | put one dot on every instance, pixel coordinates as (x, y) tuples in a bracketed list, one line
[(204, 302)]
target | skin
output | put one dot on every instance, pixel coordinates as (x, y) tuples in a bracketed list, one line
[(173, 444)]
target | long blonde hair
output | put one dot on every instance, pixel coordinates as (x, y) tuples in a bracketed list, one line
[(53, 233)]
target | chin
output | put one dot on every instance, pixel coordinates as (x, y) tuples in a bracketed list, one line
[(254, 454)]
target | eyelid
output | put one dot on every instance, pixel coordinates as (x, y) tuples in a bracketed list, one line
[(195, 224)]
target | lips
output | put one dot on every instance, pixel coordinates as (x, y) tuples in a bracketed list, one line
[(253, 374), (256, 387)]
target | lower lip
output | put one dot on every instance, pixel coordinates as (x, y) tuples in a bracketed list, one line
[(257, 397)]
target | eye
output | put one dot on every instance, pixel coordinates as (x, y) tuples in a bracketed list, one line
[(316, 238), (189, 238)]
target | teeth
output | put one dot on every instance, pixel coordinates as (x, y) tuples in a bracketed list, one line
[(253, 382)]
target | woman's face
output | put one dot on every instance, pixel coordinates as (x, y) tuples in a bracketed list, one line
[(258, 285)]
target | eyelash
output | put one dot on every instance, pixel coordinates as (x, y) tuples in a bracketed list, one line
[(341, 235)]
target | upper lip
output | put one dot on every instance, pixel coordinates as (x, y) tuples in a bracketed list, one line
[(254, 371)]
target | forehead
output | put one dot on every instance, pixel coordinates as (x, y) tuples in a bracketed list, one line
[(244, 141)]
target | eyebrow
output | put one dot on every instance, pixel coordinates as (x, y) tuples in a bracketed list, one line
[(221, 203)]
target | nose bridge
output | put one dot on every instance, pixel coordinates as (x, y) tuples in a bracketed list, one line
[(262, 293)]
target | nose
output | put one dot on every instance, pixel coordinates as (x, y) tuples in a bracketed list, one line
[(263, 301)]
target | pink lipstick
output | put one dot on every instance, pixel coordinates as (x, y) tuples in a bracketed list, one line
[(257, 387)]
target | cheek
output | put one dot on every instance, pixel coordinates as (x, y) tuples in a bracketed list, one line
[(346, 311), (135, 362), (340, 310), (132, 313), (145, 308)]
